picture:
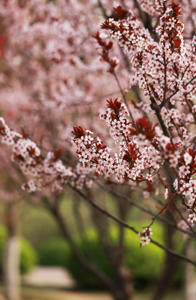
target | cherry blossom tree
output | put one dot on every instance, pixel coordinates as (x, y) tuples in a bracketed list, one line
[(39, 96), (143, 50)]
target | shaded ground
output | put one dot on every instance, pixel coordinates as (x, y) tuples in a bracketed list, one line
[(32, 294), (37, 281), (52, 294), (29, 294)]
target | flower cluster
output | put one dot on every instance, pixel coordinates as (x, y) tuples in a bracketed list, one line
[(116, 120), (137, 158), (7, 136), (171, 30), (187, 182), (42, 172), (145, 236)]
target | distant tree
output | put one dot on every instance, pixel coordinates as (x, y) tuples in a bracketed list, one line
[(53, 79)]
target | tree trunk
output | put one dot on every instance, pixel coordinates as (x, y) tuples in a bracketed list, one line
[(120, 287), (120, 295), (124, 285), (169, 269), (190, 276), (122, 280), (12, 257)]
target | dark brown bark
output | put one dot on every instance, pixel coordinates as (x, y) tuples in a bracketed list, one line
[(169, 269), (125, 284), (120, 287), (11, 273), (115, 252), (189, 276)]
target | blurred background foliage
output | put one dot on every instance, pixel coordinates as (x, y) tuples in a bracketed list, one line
[(145, 263), (42, 244), (29, 256)]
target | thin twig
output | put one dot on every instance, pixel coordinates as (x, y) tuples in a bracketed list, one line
[(168, 250), (145, 210)]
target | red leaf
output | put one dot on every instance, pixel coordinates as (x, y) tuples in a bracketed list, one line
[(78, 131), (58, 154), (119, 13), (158, 207), (3, 41)]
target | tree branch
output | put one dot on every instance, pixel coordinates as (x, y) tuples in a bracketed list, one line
[(178, 255)]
